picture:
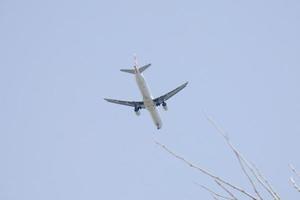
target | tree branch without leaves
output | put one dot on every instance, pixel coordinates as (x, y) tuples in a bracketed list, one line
[(243, 162), (213, 193), (206, 172), (252, 174), (292, 180)]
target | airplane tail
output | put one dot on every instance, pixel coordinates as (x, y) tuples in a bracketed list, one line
[(133, 71)]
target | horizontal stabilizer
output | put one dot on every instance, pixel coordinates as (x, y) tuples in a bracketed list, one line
[(132, 71), (144, 68)]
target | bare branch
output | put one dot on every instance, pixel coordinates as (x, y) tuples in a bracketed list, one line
[(263, 181), (214, 197), (295, 184), (206, 172), (294, 170), (237, 154), (243, 162), (213, 193), (226, 190)]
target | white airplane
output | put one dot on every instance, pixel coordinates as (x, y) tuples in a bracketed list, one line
[(148, 102)]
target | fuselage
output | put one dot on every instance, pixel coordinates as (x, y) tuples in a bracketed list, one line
[(147, 98)]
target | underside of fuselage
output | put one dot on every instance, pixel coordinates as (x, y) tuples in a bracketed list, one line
[(148, 101), (155, 116)]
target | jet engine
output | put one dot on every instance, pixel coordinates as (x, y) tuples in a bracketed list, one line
[(137, 111), (164, 105)]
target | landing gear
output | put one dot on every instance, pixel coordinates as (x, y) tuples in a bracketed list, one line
[(137, 110), (164, 104)]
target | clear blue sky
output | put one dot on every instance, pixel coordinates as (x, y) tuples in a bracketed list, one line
[(60, 58)]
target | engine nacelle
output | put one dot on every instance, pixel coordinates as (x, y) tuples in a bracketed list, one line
[(164, 105), (138, 113)]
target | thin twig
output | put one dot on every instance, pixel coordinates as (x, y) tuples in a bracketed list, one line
[(263, 181), (297, 187), (242, 161), (213, 192), (226, 190), (237, 154), (294, 170), (206, 172), (214, 197)]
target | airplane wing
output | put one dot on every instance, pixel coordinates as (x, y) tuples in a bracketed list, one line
[(167, 96), (135, 104)]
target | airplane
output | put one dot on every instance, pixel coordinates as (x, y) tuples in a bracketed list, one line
[(148, 102)]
